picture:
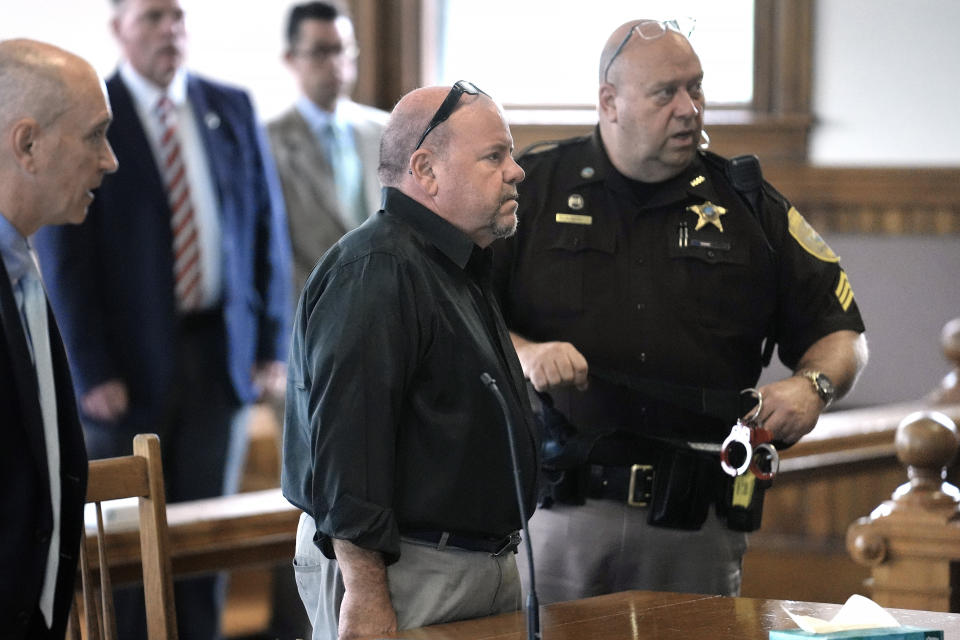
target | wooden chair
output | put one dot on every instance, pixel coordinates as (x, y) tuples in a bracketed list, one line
[(141, 476)]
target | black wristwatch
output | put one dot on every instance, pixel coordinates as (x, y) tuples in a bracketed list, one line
[(821, 384)]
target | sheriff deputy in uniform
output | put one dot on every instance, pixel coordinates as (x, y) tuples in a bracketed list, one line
[(644, 289)]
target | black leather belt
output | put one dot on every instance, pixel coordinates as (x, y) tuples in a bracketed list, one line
[(444, 539), (632, 484)]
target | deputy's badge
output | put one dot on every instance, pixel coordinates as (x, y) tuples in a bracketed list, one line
[(696, 182), (573, 218), (575, 202), (808, 238), (707, 213), (587, 172)]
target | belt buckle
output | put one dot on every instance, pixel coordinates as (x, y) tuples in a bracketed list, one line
[(641, 481), (510, 543)]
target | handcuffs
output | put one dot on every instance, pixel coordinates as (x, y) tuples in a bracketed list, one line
[(749, 446)]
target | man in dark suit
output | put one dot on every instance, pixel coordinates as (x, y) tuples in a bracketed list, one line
[(53, 122), (174, 295)]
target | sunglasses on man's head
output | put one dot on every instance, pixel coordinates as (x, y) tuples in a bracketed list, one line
[(449, 103)]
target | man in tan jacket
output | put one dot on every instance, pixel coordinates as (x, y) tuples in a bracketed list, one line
[(326, 146)]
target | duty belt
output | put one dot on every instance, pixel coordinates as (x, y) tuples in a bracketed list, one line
[(633, 484)]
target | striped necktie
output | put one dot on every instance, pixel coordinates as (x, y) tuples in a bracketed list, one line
[(186, 240)]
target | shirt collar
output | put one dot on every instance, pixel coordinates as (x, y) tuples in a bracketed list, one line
[(318, 119), (694, 181), (146, 94), (15, 250), (452, 242)]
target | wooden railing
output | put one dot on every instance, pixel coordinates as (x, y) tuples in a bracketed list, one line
[(911, 542), (836, 474)]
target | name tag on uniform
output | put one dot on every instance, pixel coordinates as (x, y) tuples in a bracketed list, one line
[(574, 218)]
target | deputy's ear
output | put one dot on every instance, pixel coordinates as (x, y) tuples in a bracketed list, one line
[(422, 170), (607, 101), (23, 140)]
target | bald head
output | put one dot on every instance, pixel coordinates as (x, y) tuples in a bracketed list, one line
[(626, 44), (53, 147), (464, 170), (407, 122), (650, 100), (33, 77)]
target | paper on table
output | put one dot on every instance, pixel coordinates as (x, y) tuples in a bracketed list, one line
[(857, 612)]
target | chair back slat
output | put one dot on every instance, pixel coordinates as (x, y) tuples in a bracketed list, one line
[(140, 476), (115, 478)]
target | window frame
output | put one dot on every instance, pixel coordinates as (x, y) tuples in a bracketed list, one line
[(397, 51)]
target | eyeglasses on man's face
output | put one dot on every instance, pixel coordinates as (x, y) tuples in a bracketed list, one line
[(449, 103), (322, 53), (651, 30)]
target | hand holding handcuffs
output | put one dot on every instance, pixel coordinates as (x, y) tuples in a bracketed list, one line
[(749, 446)]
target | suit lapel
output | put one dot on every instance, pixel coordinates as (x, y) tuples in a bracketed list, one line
[(25, 379), (306, 159), (216, 132), (129, 141), (367, 136)]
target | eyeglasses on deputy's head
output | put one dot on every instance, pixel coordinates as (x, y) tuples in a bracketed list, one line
[(651, 30)]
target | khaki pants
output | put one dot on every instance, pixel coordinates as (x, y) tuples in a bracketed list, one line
[(607, 546), (427, 585)]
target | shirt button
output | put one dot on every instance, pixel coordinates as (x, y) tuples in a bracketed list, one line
[(643, 357), (641, 306), (711, 254), (638, 260)]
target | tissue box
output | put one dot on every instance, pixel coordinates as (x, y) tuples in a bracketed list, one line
[(886, 633)]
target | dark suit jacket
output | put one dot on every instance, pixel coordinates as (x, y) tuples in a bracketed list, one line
[(26, 516), (111, 278)]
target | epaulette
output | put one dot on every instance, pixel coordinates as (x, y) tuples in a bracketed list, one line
[(548, 145)]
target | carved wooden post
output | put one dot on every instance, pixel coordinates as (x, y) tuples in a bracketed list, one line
[(949, 389), (912, 541)]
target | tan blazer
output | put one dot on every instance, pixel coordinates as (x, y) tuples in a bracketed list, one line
[(314, 216)]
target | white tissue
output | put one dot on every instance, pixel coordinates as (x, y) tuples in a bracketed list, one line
[(856, 613)]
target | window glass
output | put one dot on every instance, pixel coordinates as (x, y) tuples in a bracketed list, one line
[(546, 52)]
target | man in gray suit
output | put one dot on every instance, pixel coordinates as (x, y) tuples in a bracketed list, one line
[(326, 146)]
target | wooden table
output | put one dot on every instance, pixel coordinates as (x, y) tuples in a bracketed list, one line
[(258, 528), (654, 615)]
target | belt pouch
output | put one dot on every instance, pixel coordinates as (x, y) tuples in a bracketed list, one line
[(682, 491), (744, 502)]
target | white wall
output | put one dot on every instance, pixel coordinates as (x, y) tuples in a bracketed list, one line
[(886, 84), (236, 41)]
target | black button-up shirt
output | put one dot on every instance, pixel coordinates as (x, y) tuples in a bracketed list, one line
[(388, 427)]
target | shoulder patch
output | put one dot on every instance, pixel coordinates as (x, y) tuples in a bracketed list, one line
[(547, 145), (808, 238)]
